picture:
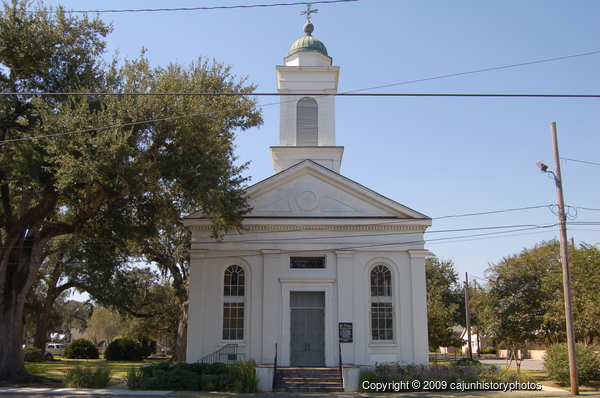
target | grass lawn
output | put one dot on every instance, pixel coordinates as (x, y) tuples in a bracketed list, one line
[(56, 369)]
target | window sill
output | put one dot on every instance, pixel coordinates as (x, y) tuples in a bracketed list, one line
[(384, 344), (238, 342)]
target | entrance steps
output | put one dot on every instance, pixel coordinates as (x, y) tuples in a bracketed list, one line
[(303, 379)]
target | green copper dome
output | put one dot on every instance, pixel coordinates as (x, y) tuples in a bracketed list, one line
[(307, 42)]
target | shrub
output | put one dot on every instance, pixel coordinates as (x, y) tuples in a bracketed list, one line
[(397, 372), (556, 362), (176, 379), (489, 350), (244, 376), (78, 377), (35, 368), (240, 377), (149, 370), (147, 347), (135, 379), (123, 350), (467, 362), (33, 354), (81, 349)]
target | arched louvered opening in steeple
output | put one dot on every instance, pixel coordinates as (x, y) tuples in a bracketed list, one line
[(307, 122)]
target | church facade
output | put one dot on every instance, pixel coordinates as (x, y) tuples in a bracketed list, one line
[(325, 265)]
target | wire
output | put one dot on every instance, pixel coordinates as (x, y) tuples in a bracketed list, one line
[(203, 8), (49, 94), (295, 239), (581, 161), (479, 71), (349, 93), (493, 212), (368, 246)]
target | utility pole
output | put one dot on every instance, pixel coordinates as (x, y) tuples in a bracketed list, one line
[(468, 315), (564, 254), (478, 343)]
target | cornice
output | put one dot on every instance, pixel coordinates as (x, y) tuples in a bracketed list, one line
[(312, 227)]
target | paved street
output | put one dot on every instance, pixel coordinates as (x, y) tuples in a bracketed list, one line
[(526, 364)]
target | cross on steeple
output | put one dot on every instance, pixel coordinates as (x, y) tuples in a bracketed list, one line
[(308, 12)]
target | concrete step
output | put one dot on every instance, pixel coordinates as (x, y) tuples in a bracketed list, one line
[(308, 380)]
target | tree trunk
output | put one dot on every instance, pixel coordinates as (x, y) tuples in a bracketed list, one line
[(19, 267), (41, 327), (180, 350), (12, 367)]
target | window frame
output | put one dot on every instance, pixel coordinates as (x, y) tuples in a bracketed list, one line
[(233, 309), (307, 122), (382, 307), (324, 258)]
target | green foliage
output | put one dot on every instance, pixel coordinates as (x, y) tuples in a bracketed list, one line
[(556, 363), (147, 347), (443, 297), (514, 310), (239, 377), (123, 350), (467, 362), (175, 379), (489, 351), (244, 374), (152, 310), (81, 349), (33, 354), (79, 377), (135, 379), (524, 299), (584, 264), (121, 168), (35, 368), (104, 325), (397, 372)]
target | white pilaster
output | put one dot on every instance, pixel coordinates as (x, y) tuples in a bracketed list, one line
[(345, 288), (419, 306), (272, 306)]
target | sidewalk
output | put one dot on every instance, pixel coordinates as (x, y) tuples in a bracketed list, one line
[(112, 392)]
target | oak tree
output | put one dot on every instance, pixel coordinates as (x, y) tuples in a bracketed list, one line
[(65, 159)]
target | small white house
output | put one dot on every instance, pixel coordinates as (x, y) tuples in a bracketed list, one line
[(325, 265)]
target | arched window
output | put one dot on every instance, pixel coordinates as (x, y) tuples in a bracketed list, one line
[(382, 306), (233, 303), (307, 122)]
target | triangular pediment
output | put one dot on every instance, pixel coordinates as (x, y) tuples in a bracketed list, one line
[(310, 190)]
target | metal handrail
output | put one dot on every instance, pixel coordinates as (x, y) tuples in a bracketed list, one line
[(230, 350), (341, 366), (274, 366)]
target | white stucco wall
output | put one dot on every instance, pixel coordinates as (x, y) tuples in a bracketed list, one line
[(336, 225)]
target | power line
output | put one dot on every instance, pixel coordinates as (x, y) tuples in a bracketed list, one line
[(200, 8), (581, 161), (493, 212), (350, 93), (500, 229), (480, 71), (184, 94)]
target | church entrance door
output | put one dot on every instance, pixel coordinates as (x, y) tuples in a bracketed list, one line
[(307, 328)]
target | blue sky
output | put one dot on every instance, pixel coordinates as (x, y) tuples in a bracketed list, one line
[(441, 156)]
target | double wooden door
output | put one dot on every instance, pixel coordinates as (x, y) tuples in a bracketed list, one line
[(307, 328)]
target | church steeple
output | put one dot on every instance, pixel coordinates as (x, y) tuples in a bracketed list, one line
[(308, 84)]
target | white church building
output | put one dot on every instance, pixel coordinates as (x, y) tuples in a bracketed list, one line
[(324, 265)]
